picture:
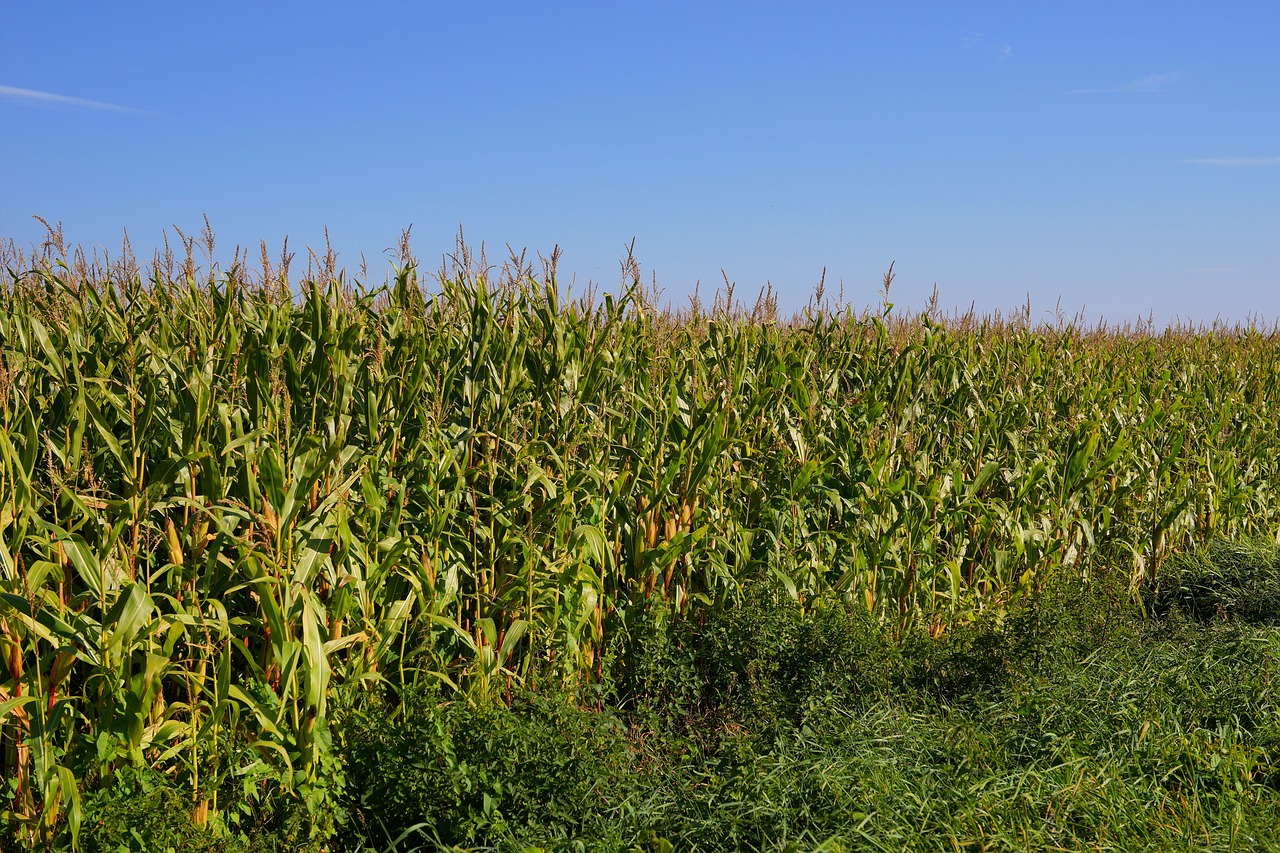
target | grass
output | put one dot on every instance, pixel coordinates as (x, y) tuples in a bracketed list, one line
[(1079, 723), (246, 520), (1232, 579)]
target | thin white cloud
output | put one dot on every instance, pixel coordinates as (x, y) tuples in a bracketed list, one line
[(1151, 83), (970, 40), (1236, 161), (35, 98)]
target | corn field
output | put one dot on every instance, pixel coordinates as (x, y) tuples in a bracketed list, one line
[(231, 503)]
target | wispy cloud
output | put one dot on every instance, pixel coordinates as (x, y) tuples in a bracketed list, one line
[(1151, 83), (970, 40), (35, 98), (1236, 161)]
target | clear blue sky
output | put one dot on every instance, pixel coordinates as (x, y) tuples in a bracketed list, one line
[(1124, 157)]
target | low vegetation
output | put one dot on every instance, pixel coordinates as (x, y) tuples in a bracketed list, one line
[(463, 562)]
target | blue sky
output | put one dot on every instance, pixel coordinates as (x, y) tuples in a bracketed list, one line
[(1123, 158)]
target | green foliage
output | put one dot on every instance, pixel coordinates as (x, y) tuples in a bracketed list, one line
[(763, 659), (541, 770), (1124, 734), (235, 508), (141, 813), (1228, 579), (1075, 723)]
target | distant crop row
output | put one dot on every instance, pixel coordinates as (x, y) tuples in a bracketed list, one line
[(227, 507)]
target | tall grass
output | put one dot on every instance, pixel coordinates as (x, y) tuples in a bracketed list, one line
[(230, 503)]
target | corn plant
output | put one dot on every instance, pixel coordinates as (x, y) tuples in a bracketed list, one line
[(233, 505)]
